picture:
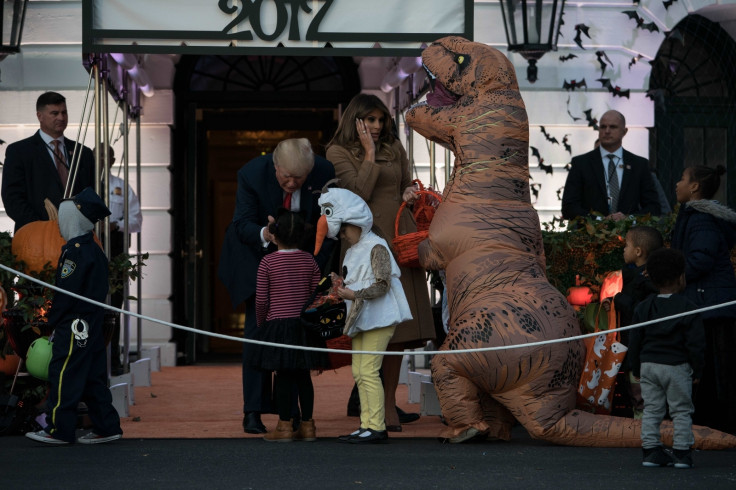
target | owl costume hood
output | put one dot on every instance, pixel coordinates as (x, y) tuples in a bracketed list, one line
[(340, 206), (343, 206)]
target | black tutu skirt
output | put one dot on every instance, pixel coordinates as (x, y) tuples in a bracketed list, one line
[(288, 331)]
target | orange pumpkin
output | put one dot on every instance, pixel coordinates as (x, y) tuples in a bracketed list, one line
[(38, 243), (579, 295), (9, 364)]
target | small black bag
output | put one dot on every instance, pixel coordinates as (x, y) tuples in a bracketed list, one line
[(324, 314)]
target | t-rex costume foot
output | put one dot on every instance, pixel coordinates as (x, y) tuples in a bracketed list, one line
[(486, 235)]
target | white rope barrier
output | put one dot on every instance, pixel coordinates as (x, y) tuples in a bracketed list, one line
[(385, 353)]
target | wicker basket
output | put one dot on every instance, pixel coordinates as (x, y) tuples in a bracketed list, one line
[(406, 246), (425, 206)]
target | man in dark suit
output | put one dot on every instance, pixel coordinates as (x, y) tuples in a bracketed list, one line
[(37, 168), (610, 180), (286, 178)]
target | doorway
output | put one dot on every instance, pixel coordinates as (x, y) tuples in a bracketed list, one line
[(230, 109), (695, 104)]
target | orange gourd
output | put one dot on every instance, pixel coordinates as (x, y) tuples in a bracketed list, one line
[(38, 243)]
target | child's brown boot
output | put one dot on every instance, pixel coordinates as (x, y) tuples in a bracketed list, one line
[(284, 432), (307, 431)]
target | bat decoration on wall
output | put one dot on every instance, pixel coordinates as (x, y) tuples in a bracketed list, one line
[(646, 26), (615, 90), (547, 136), (535, 153), (561, 190), (657, 95), (581, 29), (574, 85), (566, 144), (603, 60), (592, 122), (668, 3), (634, 60), (546, 168), (535, 188), (570, 113), (567, 57)]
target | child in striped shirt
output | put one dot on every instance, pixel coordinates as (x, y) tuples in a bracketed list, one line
[(285, 282)]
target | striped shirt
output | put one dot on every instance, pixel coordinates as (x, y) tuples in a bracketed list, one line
[(286, 280)]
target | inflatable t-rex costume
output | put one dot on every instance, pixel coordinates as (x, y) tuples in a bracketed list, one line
[(486, 235)]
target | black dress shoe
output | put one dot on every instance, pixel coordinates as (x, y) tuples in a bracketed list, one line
[(348, 436), (394, 428), (252, 423), (369, 436), (406, 418)]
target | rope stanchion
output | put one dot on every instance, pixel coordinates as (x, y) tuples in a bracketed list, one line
[(385, 353)]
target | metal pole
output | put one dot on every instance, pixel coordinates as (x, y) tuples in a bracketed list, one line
[(432, 169), (139, 246), (126, 236), (76, 155), (105, 158), (448, 165), (98, 111)]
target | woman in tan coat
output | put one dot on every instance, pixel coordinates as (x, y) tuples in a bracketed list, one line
[(371, 162)]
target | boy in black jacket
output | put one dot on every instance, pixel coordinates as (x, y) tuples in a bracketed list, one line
[(641, 241), (668, 357)]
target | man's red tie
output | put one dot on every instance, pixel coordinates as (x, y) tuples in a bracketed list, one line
[(287, 201), (59, 162)]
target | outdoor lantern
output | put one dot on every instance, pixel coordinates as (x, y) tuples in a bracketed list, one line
[(13, 15), (532, 28)]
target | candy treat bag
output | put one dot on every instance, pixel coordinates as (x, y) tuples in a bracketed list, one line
[(325, 313), (602, 364)]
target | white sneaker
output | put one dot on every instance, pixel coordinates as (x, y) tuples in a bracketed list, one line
[(45, 437), (92, 438)]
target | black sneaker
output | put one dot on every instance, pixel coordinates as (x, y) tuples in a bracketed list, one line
[(656, 457), (682, 458)]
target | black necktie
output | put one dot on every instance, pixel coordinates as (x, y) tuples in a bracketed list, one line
[(613, 182)]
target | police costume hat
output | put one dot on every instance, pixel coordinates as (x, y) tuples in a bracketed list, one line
[(91, 205)]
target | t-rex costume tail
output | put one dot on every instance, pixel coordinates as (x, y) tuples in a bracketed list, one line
[(486, 235)]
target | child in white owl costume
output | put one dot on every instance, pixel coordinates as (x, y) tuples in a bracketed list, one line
[(375, 300)]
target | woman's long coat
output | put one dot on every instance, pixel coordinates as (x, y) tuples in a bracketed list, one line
[(381, 184)]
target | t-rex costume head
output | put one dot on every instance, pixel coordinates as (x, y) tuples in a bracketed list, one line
[(487, 237)]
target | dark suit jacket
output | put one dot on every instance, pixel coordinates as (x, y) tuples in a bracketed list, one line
[(585, 187), (260, 196), (30, 176)]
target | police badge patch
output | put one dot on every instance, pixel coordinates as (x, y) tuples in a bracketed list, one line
[(67, 268)]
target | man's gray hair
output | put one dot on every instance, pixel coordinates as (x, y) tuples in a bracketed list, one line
[(294, 155)]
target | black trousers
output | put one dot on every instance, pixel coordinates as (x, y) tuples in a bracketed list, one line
[(78, 372)]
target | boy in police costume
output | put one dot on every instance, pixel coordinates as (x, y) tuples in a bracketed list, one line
[(78, 367)]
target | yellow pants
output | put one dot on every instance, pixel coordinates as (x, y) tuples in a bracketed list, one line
[(365, 372)]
